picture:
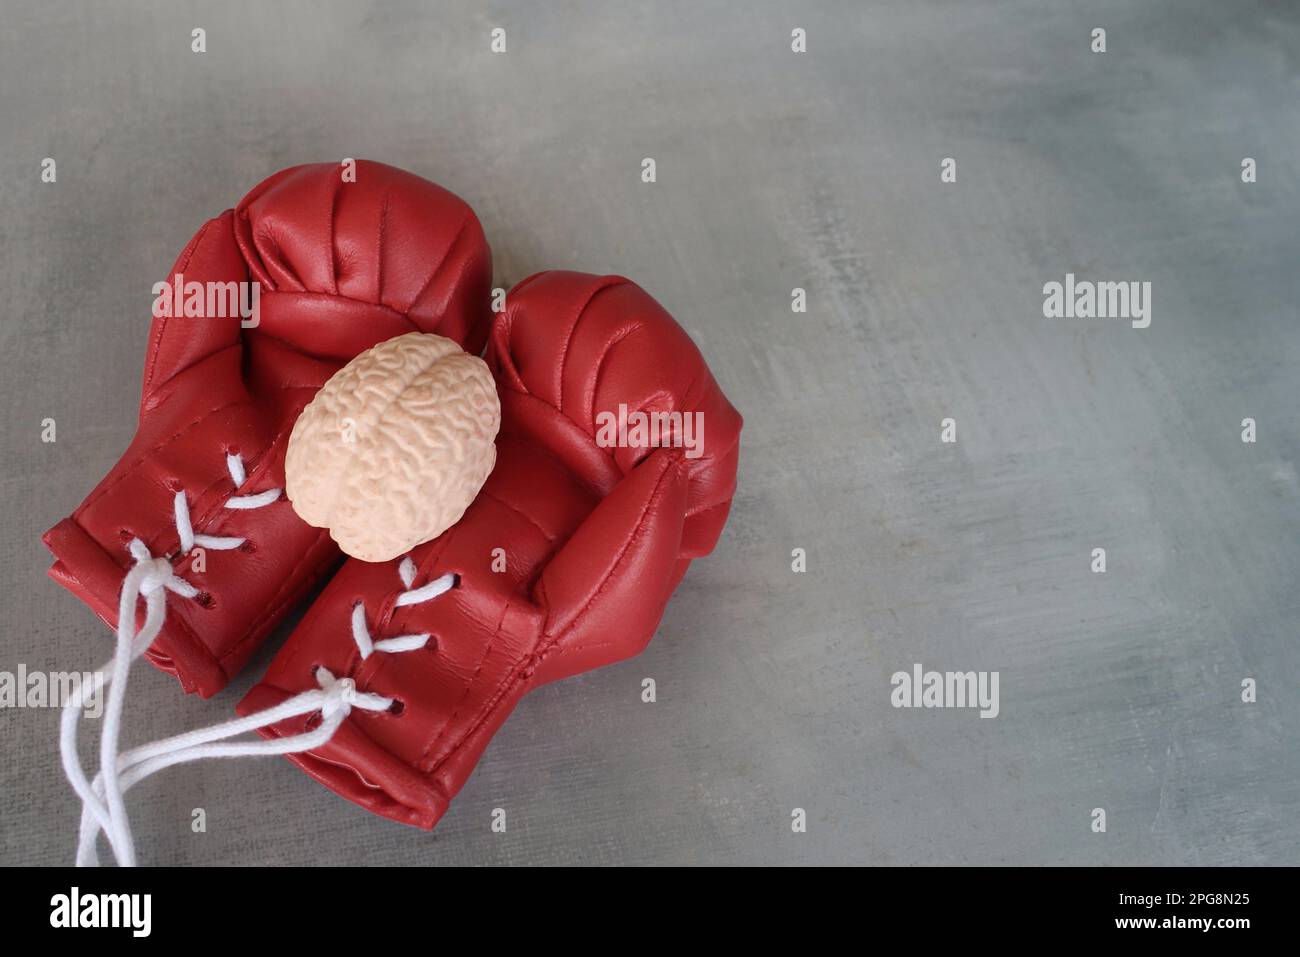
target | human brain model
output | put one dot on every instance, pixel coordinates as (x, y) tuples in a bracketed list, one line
[(395, 446)]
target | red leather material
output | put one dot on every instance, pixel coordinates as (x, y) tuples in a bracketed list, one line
[(594, 540), (341, 266)]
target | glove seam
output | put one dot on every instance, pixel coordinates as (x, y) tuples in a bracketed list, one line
[(529, 438), (731, 494), (281, 598), (424, 764), (669, 469), (333, 360), (606, 282), (148, 388), (451, 248), (430, 766), (332, 216), (550, 539), (697, 512), (521, 676), (129, 471), (601, 363)]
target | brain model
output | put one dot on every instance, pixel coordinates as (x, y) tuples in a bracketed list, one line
[(395, 446)]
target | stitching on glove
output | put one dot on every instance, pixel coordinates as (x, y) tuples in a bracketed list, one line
[(424, 762), (550, 539), (285, 596), (379, 241), (703, 509), (153, 450)]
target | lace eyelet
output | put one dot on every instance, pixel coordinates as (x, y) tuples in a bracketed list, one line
[(397, 708)]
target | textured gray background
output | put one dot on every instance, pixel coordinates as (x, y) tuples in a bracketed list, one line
[(775, 170)]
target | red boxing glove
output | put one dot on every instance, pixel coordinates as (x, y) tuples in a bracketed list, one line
[(563, 563), (339, 267)]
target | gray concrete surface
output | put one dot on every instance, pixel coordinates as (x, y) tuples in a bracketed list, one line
[(775, 170)]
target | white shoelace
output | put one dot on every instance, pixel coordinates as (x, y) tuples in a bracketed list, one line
[(103, 805)]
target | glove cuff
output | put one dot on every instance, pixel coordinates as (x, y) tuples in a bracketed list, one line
[(354, 766), (93, 575)]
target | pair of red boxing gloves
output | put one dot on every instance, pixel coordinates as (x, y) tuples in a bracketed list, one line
[(563, 562)]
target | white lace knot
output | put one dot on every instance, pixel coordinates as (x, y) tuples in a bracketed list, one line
[(341, 696)]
